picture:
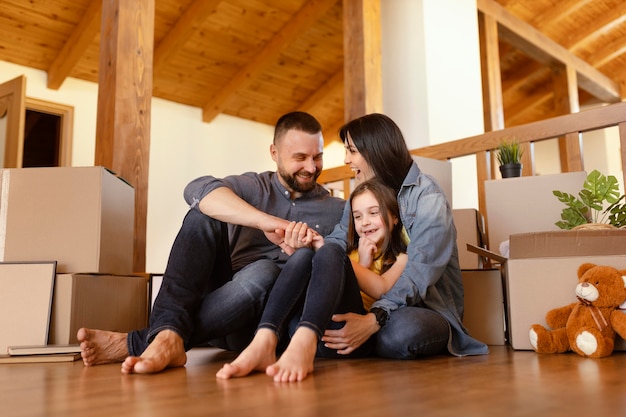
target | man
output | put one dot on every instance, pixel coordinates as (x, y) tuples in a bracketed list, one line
[(235, 238)]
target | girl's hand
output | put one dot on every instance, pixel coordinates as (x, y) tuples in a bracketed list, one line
[(367, 251)]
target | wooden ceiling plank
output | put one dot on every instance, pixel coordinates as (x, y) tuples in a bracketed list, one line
[(329, 88), (602, 24), (76, 45), (558, 10), (538, 46), (193, 16), (307, 16)]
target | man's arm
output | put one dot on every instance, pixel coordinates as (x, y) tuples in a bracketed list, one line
[(224, 205)]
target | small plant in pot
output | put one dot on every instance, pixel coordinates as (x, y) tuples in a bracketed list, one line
[(599, 204), (510, 159)]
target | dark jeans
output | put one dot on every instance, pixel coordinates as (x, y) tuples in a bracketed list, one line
[(411, 331), (309, 290), (200, 297)]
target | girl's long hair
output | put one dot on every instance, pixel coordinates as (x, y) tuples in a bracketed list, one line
[(393, 245)]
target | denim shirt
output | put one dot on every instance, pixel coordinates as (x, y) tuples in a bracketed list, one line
[(432, 276)]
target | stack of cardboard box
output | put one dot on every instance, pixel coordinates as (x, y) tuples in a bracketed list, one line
[(82, 218), (539, 270)]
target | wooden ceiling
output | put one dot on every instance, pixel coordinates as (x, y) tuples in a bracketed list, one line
[(257, 59)]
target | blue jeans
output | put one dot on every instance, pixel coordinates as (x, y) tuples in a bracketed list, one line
[(310, 289), (412, 332), (201, 299)]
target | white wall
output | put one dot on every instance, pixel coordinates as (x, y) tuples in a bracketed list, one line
[(182, 147), (423, 84)]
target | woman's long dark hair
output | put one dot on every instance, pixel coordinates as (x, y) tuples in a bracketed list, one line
[(393, 245), (382, 144)]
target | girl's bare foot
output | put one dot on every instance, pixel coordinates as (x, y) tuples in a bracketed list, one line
[(166, 351), (298, 360), (260, 353), (101, 346)]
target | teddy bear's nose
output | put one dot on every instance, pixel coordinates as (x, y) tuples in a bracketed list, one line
[(585, 284)]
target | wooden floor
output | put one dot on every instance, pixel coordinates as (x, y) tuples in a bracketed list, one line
[(503, 383)]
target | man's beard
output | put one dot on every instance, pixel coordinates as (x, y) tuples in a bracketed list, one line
[(295, 185)]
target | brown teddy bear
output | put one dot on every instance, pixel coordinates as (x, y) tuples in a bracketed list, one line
[(587, 327)]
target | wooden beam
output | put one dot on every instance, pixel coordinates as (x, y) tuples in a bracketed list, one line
[(493, 106), (76, 45), (592, 119), (538, 46), (622, 142), (196, 13), (124, 102), (362, 58), (565, 102), (306, 17)]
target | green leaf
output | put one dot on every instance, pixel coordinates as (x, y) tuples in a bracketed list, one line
[(597, 190)]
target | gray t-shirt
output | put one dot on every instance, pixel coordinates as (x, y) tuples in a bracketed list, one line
[(317, 208)]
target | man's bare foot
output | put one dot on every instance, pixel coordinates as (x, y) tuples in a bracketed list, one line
[(260, 353), (297, 361), (166, 350), (101, 346)]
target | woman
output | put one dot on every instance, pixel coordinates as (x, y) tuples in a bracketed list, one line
[(422, 313), (378, 256)]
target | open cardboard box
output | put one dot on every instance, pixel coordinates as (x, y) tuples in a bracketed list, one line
[(541, 273), (485, 301)]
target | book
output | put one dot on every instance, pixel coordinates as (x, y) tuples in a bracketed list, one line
[(58, 357), (42, 349)]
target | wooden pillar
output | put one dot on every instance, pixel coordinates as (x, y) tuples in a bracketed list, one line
[(362, 58), (565, 102), (124, 102)]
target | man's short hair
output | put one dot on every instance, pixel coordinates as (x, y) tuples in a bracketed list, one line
[(296, 120)]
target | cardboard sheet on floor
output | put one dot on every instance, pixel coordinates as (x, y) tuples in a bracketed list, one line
[(25, 302)]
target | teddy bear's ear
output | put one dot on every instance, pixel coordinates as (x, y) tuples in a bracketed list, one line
[(584, 268)]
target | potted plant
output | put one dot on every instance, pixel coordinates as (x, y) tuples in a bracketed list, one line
[(598, 203), (510, 159)]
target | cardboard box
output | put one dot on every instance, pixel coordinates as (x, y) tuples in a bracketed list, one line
[(107, 302), (470, 228), (82, 218), (441, 171), (484, 315), (542, 273), (526, 204)]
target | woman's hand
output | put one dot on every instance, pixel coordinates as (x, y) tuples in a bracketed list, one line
[(357, 330)]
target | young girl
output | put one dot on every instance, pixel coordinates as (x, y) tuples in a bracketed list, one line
[(378, 256)]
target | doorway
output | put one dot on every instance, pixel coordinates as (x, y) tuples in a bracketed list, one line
[(47, 134)]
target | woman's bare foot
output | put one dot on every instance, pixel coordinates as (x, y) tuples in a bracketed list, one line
[(166, 350), (260, 353), (101, 346), (297, 361)]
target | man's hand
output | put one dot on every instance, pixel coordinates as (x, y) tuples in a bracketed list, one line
[(295, 235), (357, 330), (277, 237)]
